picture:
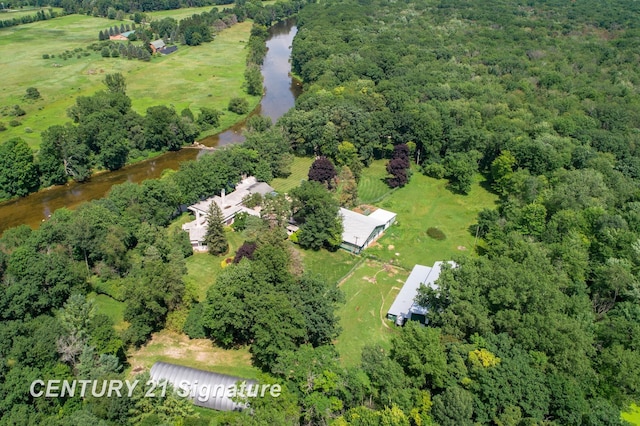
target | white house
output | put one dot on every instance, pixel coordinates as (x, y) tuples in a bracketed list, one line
[(230, 205)]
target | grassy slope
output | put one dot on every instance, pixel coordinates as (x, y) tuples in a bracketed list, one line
[(299, 172), (425, 203), (207, 75), (372, 186), (369, 292)]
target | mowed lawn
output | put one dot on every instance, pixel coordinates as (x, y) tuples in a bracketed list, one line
[(372, 186), (299, 172), (369, 292), (208, 75), (110, 307), (203, 268), (426, 203)]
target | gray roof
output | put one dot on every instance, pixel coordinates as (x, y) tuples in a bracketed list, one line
[(158, 44), (384, 216), (199, 380), (232, 202), (420, 275), (127, 33), (357, 228)]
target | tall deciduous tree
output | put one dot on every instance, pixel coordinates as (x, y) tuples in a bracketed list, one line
[(115, 83), (18, 171), (317, 211), (322, 170)]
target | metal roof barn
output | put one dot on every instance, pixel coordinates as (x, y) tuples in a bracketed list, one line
[(404, 306), (206, 389)]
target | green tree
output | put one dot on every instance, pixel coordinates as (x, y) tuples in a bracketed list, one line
[(347, 188), (238, 105), (215, 238), (317, 212), (32, 93), (253, 80), (115, 83), (422, 355), (460, 169), (208, 118), (18, 171)]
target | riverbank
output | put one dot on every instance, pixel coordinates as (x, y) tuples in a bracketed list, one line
[(280, 94)]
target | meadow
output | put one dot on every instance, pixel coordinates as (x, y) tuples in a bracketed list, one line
[(194, 76), (369, 292), (27, 11), (427, 203)]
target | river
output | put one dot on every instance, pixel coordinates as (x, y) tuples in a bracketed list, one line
[(280, 94)]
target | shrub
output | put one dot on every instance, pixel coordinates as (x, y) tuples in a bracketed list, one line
[(193, 325), (28, 130), (45, 56), (239, 105), (17, 111), (436, 234), (434, 170), (14, 123), (3, 127)]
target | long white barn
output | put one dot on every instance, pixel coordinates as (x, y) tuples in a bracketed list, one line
[(404, 307)]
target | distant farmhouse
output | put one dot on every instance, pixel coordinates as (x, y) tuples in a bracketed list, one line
[(158, 46), (404, 307), (360, 231), (230, 205), (122, 36)]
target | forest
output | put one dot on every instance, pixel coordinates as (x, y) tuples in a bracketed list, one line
[(540, 327)]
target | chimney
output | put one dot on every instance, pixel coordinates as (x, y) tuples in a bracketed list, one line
[(222, 195)]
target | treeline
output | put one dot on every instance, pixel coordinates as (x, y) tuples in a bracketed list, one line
[(543, 326), (40, 15)]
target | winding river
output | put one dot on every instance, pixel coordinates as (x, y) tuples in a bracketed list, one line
[(280, 94)]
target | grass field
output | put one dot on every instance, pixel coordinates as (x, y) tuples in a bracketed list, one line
[(332, 266), (177, 348), (27, 11), (632, 415), (203, 269), (425, 203), (207, 75), (369, 292), (111, 307), (372, 186), (299, 172)]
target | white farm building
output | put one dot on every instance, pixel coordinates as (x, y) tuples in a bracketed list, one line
[(359, 231), (404, 307)]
